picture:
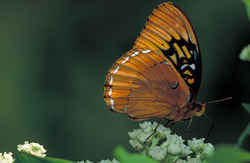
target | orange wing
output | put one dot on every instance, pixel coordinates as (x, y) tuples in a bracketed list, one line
[(169, 32), (144, 84)]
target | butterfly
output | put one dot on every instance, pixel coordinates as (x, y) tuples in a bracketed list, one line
[(160, 76)]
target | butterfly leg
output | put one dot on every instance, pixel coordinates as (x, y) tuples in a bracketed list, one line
[(155, 129), (169, 123), (211, 125), (189, 125)]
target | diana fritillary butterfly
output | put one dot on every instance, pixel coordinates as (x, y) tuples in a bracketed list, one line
[(160, 76)]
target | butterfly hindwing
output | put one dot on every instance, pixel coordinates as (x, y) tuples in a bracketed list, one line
[(169, 32), (144, 84)]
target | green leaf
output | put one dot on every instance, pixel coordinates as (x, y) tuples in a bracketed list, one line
[(124, 157), (247, 4), (229, 153), (245, 53), (246, 106), (21, 157), (244, 134)]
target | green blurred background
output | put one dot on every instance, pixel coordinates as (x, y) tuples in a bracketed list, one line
[(54, 56)]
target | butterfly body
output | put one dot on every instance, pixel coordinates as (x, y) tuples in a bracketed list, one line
[(160, 76)]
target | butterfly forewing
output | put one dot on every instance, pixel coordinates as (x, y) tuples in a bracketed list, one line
[(145, 84), (169, 32)]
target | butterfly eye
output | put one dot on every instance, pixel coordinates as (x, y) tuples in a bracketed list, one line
[(174, 86)]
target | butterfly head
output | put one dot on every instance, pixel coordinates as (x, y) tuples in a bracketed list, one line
[(199, 108)]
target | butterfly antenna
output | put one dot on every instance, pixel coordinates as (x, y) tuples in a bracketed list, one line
[(220, 100)]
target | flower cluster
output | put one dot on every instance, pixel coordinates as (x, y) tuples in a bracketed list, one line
[(32, 148), (160, 144), (6, 157), (165, 146)]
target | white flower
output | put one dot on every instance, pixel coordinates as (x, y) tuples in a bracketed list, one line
[(141, 134), (208, 150), (105, 161), (115, 161), (203, 150), (174, 139), (6, 157), (87, 161), (32, 148), (174, 149), (148, 126), (194, 160), (181, 161), (134, 134), (175, 145), (163, 131), (157, 153), (109, 161), (135, 144), (196, 144), (186, 151), (189, 160)]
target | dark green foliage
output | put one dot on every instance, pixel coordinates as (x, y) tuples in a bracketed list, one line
[(21, 157)]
